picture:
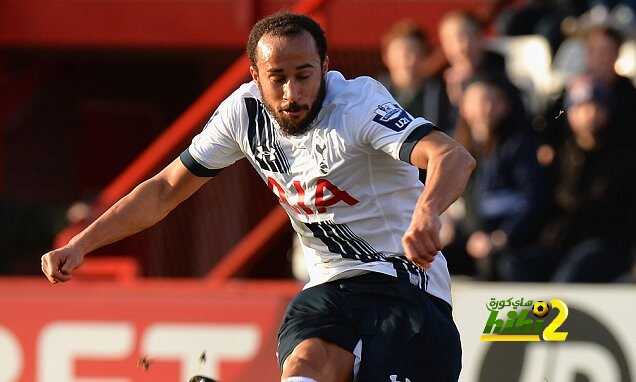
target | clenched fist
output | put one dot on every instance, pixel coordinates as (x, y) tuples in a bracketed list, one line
[(58, 265), (421, 241)]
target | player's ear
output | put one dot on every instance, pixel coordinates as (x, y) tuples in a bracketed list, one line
[(325, 65), (254, 73)]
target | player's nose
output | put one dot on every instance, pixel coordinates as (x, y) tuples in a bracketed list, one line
[(292, 91)]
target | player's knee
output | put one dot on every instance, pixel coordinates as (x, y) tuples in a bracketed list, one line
[(320, 360), (306, 358)]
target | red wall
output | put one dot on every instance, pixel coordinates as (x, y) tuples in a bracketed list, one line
[(196, 23)]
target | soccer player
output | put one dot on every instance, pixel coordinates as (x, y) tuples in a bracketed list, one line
[(342, 157)]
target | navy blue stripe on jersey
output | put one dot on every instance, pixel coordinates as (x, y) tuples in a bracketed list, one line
[(367, 252), (341, 240), (262, 138), (197, 168), (282, 157), (272, 142), (406, 269), (409, 144), (324, 235), (352, 244)]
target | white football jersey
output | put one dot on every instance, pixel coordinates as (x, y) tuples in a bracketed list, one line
[(346, 183)]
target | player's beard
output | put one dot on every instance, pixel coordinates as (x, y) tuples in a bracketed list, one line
[(290, 126)]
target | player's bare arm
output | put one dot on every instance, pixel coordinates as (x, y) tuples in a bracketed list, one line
[(144, 206), (448, 167)]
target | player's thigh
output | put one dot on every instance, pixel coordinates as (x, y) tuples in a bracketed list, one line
[(317, 312), (321, 360), (417, 340), (439, 348)]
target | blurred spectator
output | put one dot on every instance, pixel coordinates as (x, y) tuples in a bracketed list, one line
[(602, 47), (542, 17), (507, 196), (555, 19), (405, 48), (463, 44), (602, 44), (590, 233)]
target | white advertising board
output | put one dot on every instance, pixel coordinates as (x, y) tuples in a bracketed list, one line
[(600, 345)]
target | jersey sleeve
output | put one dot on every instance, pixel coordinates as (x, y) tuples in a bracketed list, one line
[(386, 126), (215, 147)]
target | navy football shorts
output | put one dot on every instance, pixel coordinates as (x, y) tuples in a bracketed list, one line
[(396, 331)]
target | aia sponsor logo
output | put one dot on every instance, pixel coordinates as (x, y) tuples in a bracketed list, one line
[(312, 201)]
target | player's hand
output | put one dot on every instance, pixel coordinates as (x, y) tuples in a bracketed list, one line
[(421, 241), (58, 265)]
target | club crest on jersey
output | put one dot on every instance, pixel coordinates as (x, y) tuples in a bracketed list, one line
[(320, 154), (391, 115)]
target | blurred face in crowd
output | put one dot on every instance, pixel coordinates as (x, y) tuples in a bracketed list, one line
[(402, 57), (601, 55), (587, 118), (587, 114), (290, 76), (461, 41), (483, 107)]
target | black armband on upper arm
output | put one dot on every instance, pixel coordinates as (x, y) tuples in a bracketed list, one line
[(409, 144), (195, 167)]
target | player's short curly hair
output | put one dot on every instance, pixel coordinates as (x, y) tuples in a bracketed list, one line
[(286, 24)]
